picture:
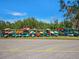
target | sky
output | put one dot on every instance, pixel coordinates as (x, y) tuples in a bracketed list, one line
[(43, 10)]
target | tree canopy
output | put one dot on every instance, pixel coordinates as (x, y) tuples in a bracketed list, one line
[(31, 22), (70, 9)]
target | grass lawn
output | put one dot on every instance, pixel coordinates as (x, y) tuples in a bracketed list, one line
[(47, 38)]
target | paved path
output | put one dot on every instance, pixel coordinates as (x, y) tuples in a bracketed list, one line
[(39, 49)]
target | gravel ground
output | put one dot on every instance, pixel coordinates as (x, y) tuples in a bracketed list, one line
[(39, 49)]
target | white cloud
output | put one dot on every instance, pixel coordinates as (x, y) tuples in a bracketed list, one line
[(17, 14)]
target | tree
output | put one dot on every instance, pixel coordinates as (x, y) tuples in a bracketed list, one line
[(71, 9), (67, 24), (2, 25), (18, 24), (8, 24), (30, 22)]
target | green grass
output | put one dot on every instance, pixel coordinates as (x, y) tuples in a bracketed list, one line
[(45, 38)]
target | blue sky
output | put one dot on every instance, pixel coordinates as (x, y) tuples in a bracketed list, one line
[(44, 10)]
